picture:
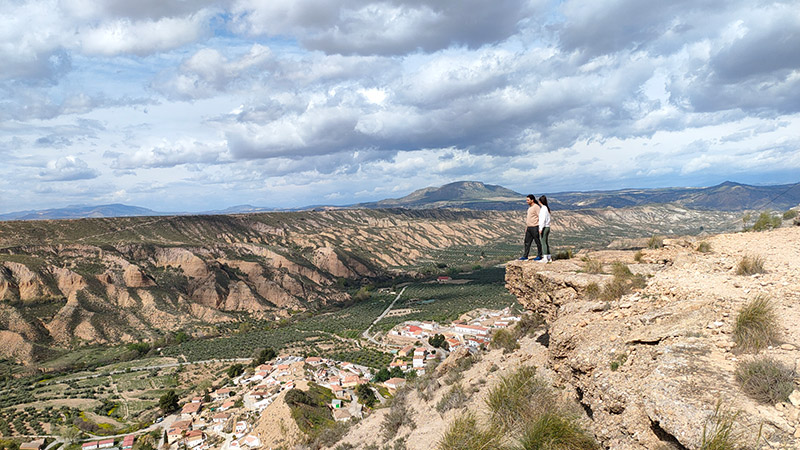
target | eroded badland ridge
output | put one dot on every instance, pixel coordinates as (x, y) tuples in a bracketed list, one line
[(72, 282), (646, 370)]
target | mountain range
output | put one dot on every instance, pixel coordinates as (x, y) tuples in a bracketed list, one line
[(475, 195)]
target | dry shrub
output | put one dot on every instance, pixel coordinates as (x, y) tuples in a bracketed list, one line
[(624, 282), (592, 290), (765, 380), (655, 242), (397, 416), (638, 256), (504, 339), (453, 399), (756, 326), (750, 265), (591, 265), (527, 324)]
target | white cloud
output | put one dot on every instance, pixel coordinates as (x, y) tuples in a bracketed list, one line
[(68, 168), (142, 37)]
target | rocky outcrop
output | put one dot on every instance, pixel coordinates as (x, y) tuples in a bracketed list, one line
[(651, 367)]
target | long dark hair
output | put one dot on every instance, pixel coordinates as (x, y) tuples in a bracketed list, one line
[(543, 201)]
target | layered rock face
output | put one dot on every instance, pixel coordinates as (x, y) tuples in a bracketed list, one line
[(651, 368), (112, 295)]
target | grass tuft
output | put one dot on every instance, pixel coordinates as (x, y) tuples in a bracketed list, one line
[(765, 380), (704, 247), (720, 432), (750, 265), (756, 326), (517, 397), (552, 431), (638, 256), (464, 433)]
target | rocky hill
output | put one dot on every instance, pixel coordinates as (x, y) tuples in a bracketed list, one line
[(727, 196), (652, 369), (71, 282)]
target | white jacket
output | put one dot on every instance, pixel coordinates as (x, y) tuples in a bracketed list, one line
[(544, 217)]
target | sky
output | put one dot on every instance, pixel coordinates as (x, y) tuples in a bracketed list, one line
[(196, 105)]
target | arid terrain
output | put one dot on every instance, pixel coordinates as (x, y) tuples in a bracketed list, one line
[(74, 282), (648, 370)]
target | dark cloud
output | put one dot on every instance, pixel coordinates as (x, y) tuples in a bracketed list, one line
[(598, 28), (767, 51)]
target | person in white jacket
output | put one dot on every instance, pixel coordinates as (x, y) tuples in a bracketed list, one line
[(544, 229)]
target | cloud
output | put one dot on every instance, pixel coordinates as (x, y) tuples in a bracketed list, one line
[(68, 168), (167, 155), (392, 27), (142, 37)]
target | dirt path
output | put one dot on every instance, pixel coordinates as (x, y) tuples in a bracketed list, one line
[(366, 334)]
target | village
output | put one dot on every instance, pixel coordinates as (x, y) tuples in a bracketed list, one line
[(225, 418)]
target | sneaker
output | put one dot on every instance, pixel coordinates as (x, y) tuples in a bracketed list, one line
[(543, 260), (523, 258), (538, 258)]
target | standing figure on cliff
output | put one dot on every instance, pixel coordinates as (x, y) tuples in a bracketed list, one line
[(544, 228), (532, 229)]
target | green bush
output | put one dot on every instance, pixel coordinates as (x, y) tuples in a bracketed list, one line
[(766, 221), (563, 254), (765, 380), (750, 265), (756, 326), (704, 247), (618, 361), (789, 215)]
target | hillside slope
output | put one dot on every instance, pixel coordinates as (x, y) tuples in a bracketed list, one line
[(676, 337), (71, 282)]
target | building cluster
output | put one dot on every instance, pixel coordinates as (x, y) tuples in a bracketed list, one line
[(109, 444), (473, 333)]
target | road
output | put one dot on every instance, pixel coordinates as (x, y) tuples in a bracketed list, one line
[(160, 366), (366, 334)]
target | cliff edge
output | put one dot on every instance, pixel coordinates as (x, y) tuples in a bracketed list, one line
[(651, 367)]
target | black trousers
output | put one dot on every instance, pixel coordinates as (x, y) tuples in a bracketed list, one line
[(532, 234)]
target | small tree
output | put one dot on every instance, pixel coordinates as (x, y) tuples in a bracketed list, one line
[(168, 402), (366, 395), (235, 370), (263, 355), (396, 372), (382, 375)]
